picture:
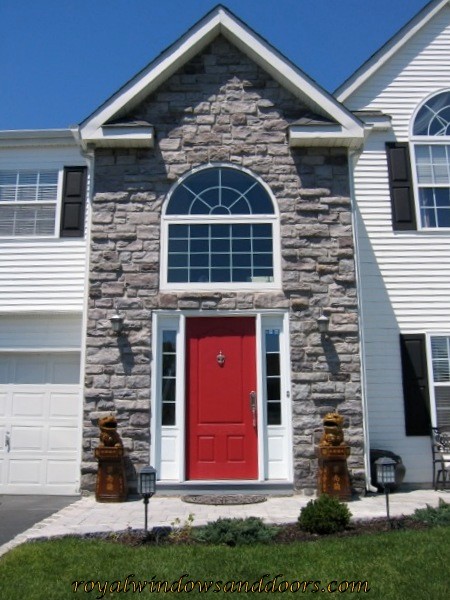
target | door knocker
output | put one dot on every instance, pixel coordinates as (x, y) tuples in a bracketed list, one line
[(221, 359)]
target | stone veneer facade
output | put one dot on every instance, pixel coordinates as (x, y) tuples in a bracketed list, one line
[(221, 107)]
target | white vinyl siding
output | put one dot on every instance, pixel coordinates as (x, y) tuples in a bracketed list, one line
[(37, 273), (419, 69), (46, 275), (404, 276)]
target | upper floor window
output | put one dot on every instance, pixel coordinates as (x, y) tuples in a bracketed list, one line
[(220, 228), (28, 202), (431, 131), (32, 200)]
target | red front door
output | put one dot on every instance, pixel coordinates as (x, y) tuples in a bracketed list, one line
[(220, 378)]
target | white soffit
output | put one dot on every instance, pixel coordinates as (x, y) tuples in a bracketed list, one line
[(219, 21), (377, 60)]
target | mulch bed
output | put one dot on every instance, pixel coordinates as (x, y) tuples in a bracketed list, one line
[(287, 533)]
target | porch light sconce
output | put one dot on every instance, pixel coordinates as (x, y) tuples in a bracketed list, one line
[(386, 478), (323, 323), (146, 488), (117, 323)]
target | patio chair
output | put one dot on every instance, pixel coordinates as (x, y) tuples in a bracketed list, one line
[(440, 445)]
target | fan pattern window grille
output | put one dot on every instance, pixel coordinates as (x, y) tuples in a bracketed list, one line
[(220, 229)]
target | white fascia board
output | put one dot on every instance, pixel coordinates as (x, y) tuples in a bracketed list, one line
[(191, 44), (124, 137), (377, 122), (151, 78), (380, 57), (36, 137), (326, 135), (289, 76)]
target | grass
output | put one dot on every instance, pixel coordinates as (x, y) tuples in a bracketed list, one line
[(396, 564)]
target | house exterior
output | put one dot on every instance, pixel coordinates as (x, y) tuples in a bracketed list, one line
[(221, 231), (401, 183), (221, 203)]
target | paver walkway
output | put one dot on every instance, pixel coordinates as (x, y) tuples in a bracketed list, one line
[(86, 515)]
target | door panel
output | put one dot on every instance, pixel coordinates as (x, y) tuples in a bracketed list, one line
[(39, 423), (221, 435)]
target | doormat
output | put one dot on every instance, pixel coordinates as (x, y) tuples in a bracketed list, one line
[(227, 499)]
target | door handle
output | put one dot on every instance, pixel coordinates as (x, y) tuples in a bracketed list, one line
[(253, 406), (8, 441)]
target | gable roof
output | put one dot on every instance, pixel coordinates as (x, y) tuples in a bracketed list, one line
[(218, 21), (377, 60)]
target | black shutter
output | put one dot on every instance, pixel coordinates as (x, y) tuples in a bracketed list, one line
[(415, 384), (400, 183), (73, 202)]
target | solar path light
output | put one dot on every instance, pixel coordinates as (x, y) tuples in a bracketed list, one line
[(147, 487)]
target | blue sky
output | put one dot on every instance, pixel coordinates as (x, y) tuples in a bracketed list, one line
[(60, 59)]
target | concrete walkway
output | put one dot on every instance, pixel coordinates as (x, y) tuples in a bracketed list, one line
[(86, 515)]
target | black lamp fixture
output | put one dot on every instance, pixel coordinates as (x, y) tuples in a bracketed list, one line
[(117, 323), (323, 323), (386, 478), (147, 487)]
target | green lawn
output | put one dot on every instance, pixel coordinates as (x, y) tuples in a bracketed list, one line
[(396, 565)]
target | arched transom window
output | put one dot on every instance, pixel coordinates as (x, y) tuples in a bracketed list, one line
[(431, 131), (219, 225)]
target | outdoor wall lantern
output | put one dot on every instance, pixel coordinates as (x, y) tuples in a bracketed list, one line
[(147, 487), (386, 478), (117, 323), (323, 323)]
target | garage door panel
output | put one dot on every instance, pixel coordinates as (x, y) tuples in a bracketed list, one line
[(25, 471), (40, 406), (63, 405), (3, 401), (4, 371), (65, 370), (25, 439), (61, 472), (3, 431), (63, 439), (28, 404), (29, 372)]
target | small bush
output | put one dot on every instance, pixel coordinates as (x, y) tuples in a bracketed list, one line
[(434, 516), (324, 515), (181, 532), (236, 532)]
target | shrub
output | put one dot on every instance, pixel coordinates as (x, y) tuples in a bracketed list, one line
[(434, 516), (324, 515), (181, 532), (236, 532)]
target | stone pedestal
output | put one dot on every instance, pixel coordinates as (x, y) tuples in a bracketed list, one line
[(334, 478), (111, 480)]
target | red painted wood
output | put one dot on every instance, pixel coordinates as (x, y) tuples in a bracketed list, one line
[(221, 437)]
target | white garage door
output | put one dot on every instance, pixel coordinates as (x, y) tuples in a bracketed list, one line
[(40, 408)]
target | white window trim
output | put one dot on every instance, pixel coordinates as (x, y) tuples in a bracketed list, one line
[(57, 202), (431, 383), (273, 219), (417, 140), (51, 165), (424, 141), (264, 319)]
